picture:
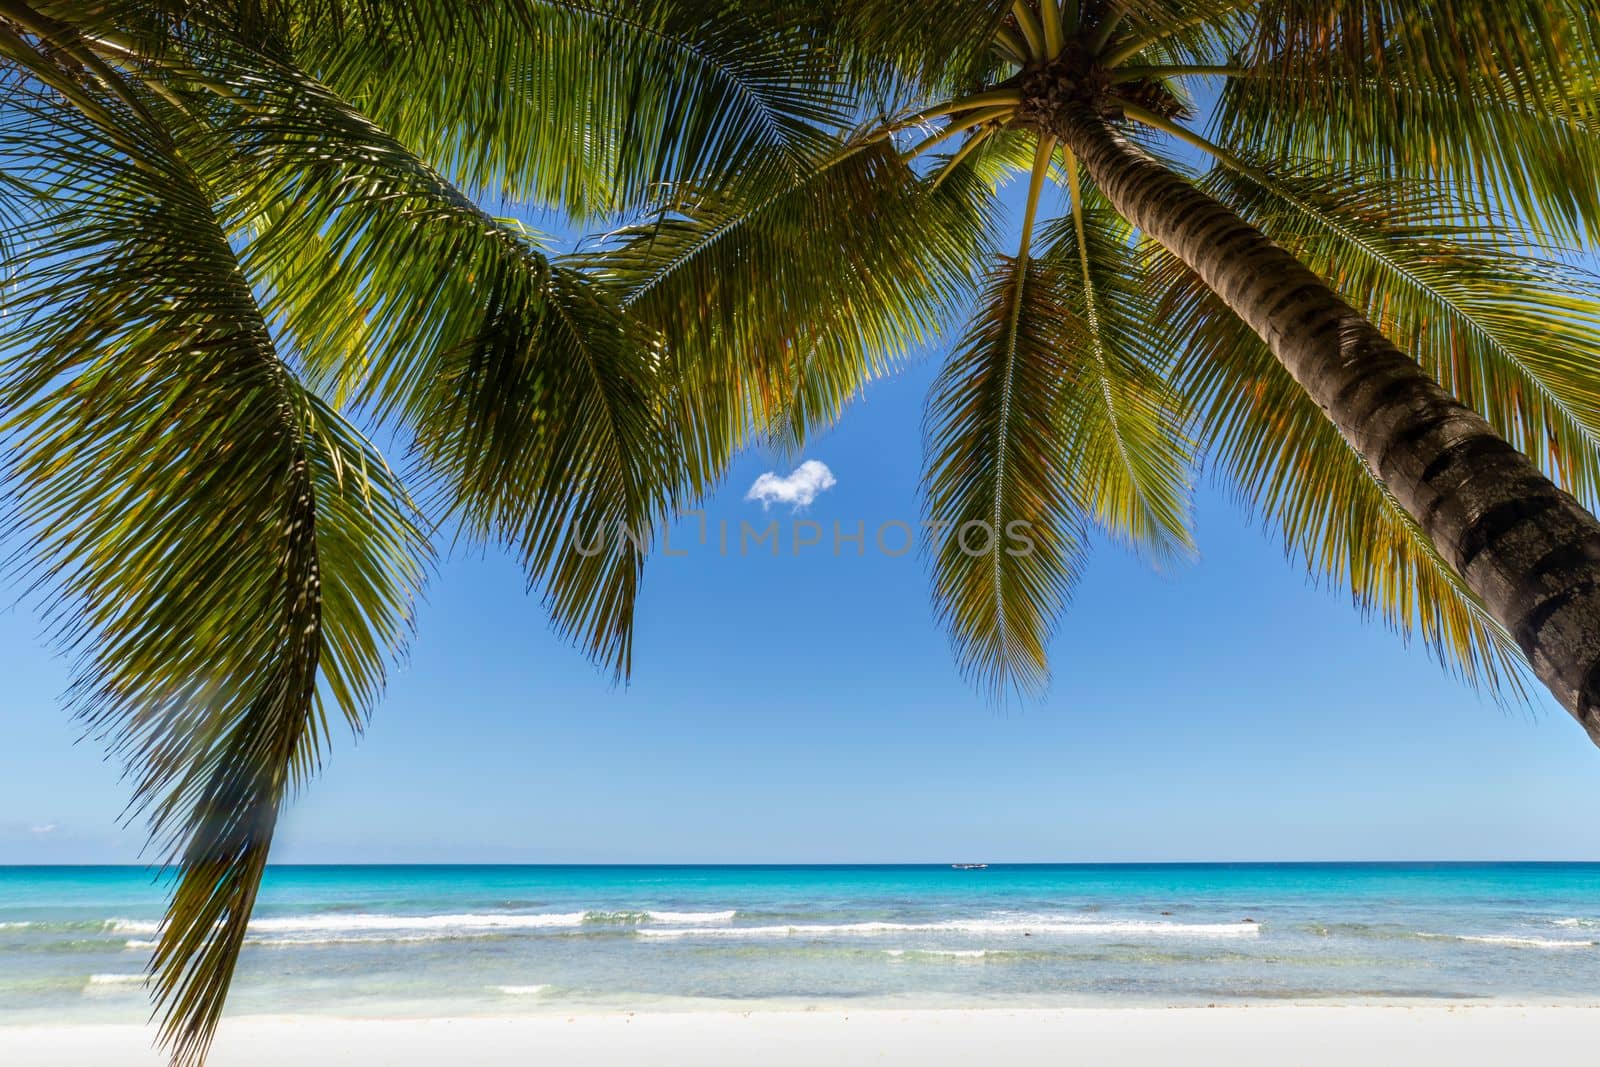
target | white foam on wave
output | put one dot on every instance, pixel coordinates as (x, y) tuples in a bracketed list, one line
[(355, 922), (691, 917), (379, 938), (521, 990), (348, 923), (340, 928), (948, 953), (666, 918), (116, 979), (1525, 942), (460, 923), (1576, 922), (1040, 926), (354, 927)]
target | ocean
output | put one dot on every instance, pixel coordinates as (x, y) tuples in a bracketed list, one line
[(451, 940)]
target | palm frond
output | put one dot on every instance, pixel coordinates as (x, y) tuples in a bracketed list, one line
[(1290, 465), (1498, 100), (591, 106), (994, 468), (1011, 529), (892, 53), (1178, 31), (534, 404), (1507, 329), (827, 279), (546, 434), (1133, 454), (225, 554)]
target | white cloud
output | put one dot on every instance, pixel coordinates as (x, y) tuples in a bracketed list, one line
[(45, 828), (798, 489)]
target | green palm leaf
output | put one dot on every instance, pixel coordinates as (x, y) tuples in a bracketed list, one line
[(590, 105), (775, 303), (1011, 525), (989, 471), (1504, 328), (1178, 31), (1052, 413), (1289, 464), (893, 53), (534, 404), (227, 555), (1499, 101), (1129, 441)]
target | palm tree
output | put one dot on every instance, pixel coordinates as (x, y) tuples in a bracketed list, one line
[(241, 235)]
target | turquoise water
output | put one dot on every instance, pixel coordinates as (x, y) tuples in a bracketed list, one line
[(501, 940)]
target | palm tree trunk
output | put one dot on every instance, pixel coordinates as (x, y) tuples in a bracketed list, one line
[(1526, 548)]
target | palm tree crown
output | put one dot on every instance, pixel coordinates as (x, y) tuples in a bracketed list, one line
[(238, 235)]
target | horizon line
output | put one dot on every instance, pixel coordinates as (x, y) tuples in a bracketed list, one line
[(848, 864)]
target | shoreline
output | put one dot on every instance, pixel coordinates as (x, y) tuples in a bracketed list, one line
[(1462, 1034)]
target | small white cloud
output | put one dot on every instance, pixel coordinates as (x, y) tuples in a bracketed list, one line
[(43, 828), (798, 489)]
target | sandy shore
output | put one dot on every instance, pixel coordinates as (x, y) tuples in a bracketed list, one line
[(1460, 1036)]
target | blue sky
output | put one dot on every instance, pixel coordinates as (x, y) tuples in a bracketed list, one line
[(807, 709)]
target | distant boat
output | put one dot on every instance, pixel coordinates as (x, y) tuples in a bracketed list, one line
[(970, 866)]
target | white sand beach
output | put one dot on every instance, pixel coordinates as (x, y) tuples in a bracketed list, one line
[(1482, 1035)]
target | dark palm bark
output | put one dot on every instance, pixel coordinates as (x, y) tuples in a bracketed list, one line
[(1526, 548)]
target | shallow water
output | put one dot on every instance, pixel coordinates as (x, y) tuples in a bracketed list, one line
[(500, 940)]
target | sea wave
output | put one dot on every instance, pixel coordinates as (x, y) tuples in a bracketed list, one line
[(353, 922), (378, 938), (521, 990), (457, 924), (115, 979), (1054, 926), (689, 917), (81, 925), (1511, 940), (1516, 941), (357, 922), (937, 953)]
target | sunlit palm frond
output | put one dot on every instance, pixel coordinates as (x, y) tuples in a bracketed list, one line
[(827, 368), (1007, 526), (1129, 440), (533, 402), (1149, 32), (225, 554), (828, 279), (1508, 330), (897, 51), (590, 105), (546, 434), (1011, 527), (1290, 465), (1498, 100), (1001, 157)]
